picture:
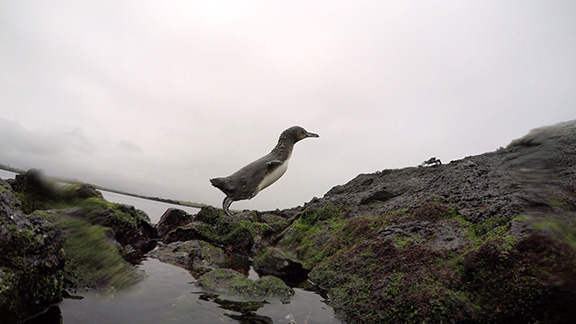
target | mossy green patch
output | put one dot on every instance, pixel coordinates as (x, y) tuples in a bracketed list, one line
[(26, 288), (5, 188), (316, 234), (516, 281), (478, 233), (238, 234), (233, 283), (560, 203), (494, 277), (403, 241), (92, 260), (116, 216), (565, 230)]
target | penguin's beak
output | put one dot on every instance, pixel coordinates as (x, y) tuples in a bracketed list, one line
[(308, 134)]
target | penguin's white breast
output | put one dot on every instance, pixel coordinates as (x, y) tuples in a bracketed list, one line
[(271, 177)]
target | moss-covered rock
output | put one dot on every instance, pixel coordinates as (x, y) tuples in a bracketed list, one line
[(31, 261), (45, 249), (212, 225), (187, 232), (196, 255), (431, 264), (273, 261), (316, 234), (83, 191), (515, 282), (171, 219), (373, 273), (93, 261), (235, 234), (27, 290), (131, 227), (233, 283), (36, 192)]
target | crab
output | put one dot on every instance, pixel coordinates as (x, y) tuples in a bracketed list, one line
[(431, 162)]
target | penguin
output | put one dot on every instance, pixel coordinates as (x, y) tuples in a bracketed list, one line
[(254, 177)]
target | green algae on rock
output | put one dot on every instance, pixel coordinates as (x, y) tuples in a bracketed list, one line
[(232, 283), (93, 261)]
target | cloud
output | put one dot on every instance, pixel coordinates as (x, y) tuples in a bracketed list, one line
[(18, 140), (130, 146)]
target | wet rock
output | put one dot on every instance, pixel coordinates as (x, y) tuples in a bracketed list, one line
[(197, 256), (171, 219), (45, 250), (378, 195), (132, 227), (210, 215), (84, 191), (233, 283), (437, 236), (35, 190), (273, 261), (191, 231), (210, 225), (31, 260), (34, 182), (421, 229), (231, 233)]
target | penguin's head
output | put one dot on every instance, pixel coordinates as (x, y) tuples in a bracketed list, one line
[(296, 133)]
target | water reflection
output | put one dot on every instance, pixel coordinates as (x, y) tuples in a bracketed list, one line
[(251, 318), (247, 309), (53, 315)]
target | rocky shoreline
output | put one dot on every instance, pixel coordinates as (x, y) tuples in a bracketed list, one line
[(489, 238)]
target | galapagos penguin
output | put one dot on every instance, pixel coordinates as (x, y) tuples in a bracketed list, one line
[(251, 179)]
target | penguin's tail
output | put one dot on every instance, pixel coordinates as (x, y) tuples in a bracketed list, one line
[(220, 183)]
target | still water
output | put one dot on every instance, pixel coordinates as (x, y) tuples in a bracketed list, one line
[(169, 294), (7, 175)]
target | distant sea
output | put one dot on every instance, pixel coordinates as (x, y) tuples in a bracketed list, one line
[(154, 209), (7, 174)]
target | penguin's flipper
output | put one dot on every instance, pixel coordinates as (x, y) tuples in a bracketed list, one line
[(274, 163)]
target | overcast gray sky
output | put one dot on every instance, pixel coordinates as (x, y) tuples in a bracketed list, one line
[(156, 97)]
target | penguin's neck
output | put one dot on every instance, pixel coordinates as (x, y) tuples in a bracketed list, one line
[(283, 150)]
